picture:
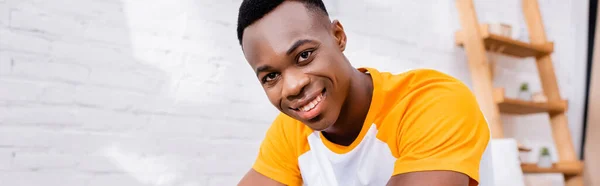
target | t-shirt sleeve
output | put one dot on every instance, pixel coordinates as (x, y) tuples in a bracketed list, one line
[(442, 129), (276, 157)]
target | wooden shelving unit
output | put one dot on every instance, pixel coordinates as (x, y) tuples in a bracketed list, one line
[(567, 168), (477, 40), (522, 107), (510, 46)]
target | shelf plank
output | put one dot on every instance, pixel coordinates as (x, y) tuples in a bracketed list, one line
[(567, 168), (515, 106), (512, 47)]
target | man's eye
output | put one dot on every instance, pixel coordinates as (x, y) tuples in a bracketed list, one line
[(304, 56), (270, 77)]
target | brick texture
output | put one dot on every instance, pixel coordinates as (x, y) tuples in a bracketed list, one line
[(130, 92)]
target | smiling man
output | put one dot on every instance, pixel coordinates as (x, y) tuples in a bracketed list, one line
[(346, 126)]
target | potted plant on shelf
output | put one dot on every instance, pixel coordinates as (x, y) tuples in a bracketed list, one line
[(524, 93), (545, 160)]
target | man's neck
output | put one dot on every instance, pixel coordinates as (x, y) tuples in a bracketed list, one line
[(354, 111)]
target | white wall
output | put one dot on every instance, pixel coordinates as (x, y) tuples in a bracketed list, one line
[(138, 92)]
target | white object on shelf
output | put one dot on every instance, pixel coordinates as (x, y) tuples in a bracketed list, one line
[(525, 95), (506, 163), (539, 97), (502, 29), (545, 162)]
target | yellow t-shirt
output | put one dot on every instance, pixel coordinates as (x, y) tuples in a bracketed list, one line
[(418, 120)]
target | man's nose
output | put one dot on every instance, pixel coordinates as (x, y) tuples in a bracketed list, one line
[(294, 83)]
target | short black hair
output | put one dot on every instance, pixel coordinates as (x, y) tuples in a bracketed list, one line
[(252, 10)]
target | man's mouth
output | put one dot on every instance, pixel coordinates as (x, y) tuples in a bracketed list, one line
[(312, 104), (311, 109)]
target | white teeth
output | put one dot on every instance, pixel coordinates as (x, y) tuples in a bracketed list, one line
[(311, 105)]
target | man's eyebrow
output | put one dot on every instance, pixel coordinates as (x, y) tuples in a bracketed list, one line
[(262, 68), (298, 44)]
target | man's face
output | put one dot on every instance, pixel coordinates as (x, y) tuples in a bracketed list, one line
[(297, 56)]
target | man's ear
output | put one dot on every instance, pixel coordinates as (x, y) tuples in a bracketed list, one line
[(340, 35)]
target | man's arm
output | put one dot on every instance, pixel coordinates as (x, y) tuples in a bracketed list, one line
[(442, 137), (253, 178), (430, 178), (276, 162)]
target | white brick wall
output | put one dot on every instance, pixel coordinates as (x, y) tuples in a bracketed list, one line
[(131, 92)]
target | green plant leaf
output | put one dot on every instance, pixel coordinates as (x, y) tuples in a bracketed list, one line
[(545, 151), (524, 87)]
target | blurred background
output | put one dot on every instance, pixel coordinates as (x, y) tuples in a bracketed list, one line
[(157, 92)]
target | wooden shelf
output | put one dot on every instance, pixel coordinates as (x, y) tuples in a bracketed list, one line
[(516, 106), (567, 168), (508, 46)]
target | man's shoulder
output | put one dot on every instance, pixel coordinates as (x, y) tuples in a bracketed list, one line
[(286, 135), (430, 81), (397, 92), (417, 90), (418, 84), (419, 76), (284, 126)]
